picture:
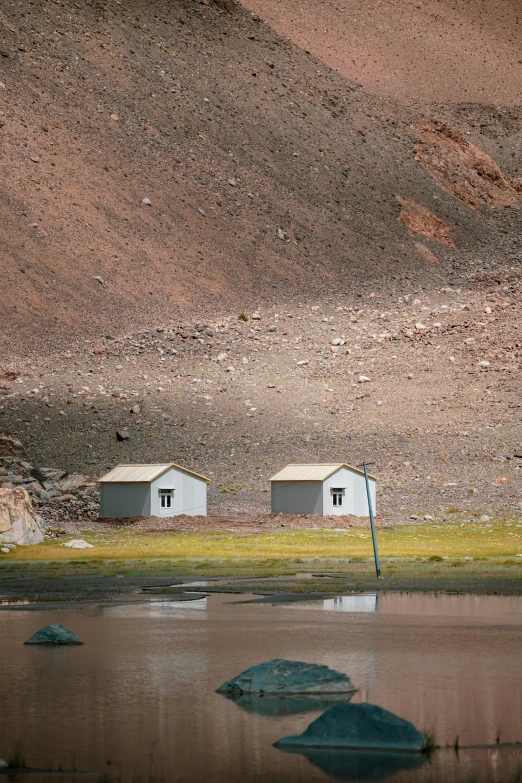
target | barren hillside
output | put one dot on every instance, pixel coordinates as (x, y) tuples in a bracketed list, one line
[(166, 167), (420, 52), (267, 173)]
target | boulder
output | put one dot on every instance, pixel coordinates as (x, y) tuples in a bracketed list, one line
[(280, 676), (72, 482), (18, 522), (11, 447), (358, 727), (54, 634), (48, 474)]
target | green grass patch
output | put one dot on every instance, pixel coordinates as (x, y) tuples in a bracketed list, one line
[(434, 542)]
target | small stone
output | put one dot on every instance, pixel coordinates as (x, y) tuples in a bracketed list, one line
[(99, 280), (273, 329), (135, 409), (202, 212), (484, 518), (78, 543), (221, 357), (122, 435), (363, 379), (35, 158), (146, 201), (5, 550), (303, 362), (230, 369), (281, 234), (232, 182), (114, 117), (483, 363)]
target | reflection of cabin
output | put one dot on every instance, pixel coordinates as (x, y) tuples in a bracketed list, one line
[(322, 489), (152, 491)]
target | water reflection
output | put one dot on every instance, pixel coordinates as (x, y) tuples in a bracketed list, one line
[(194, 609), (273, 705), (140, 692), (353, 603), (360, 765)]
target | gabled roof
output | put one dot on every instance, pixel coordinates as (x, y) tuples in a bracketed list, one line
[(313, 472), (142, 473)]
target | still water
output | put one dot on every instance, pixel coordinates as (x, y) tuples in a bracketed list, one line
[(137, 701)]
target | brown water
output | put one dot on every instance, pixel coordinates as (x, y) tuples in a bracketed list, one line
[(140, 692)]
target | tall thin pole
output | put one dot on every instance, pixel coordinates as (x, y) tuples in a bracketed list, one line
[(372, 521)]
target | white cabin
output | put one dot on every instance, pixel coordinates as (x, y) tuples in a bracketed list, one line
[(322, 489), (152, 491)]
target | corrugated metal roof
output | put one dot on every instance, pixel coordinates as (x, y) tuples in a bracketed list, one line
[(312, 472), (142, 473)]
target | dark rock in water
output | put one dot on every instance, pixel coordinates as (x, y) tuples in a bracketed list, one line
[(281, 676), (54, 634), (278, 704), (361, 765), (358, 726)]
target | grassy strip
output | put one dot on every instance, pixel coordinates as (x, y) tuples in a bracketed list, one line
[(476, 557), (477, 540)]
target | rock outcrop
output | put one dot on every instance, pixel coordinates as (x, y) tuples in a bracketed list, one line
[(18, 522), (11, 447), (280, 676), (54, 634), (361, 727)]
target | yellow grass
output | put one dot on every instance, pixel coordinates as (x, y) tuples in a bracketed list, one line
[(474, 540)]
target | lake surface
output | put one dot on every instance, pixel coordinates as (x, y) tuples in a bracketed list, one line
[(137, 701)]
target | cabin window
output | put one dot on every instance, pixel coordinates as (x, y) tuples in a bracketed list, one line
[(337, 497), (166, 498)]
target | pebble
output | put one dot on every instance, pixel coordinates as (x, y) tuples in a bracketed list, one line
[(202, 212), (303, 362), (281, 234), (483, 363), (146, 201), (114, 117), (363, 379)]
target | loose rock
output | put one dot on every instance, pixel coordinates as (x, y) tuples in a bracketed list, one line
[(361, 726), (282, 676), (54, 634)]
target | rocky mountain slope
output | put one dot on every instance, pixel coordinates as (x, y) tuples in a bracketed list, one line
[(159, 159), (209, 237)]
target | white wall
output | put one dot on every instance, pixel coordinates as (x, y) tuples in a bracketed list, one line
[(190, 494), (355, 500), (297, 497)]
